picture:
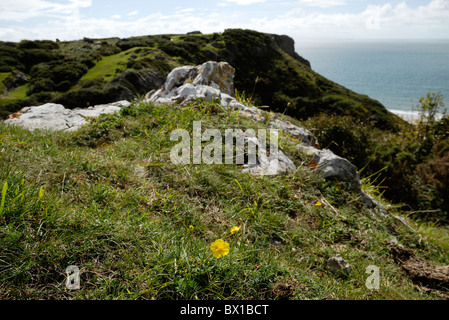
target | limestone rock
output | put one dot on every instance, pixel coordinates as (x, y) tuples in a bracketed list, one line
[(370, 203), (56, 117), (338, 265), (218, 75), (270, 165), (305, 135), (332, 166), (212, 81), (178, 76), (257, 159), (207, 78)]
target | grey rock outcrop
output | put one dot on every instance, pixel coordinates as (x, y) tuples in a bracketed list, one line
[(274, 164), (306, 137), (338, 265), (57, 117), (334, 167), (206, 79), (212, 81)]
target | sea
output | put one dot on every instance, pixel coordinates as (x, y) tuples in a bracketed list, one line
[(395, 73)]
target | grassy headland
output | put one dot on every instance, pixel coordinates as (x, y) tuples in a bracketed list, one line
[(107, 199)]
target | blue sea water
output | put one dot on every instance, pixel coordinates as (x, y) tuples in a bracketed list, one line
[(396, 73)]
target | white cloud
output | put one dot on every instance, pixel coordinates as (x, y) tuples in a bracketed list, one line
[(324, 3), (375, 21), (133, 13), (245, 2), (13, 10)]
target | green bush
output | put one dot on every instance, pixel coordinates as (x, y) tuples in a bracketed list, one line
[(38, 44), (41, 70), (59, 76), (413, 161), (63, 86), (81, 98), (346, 136), (41, 85), (174, 49), (432, 186), (143, 41), (93, 83), (31, 57), (69, 71)]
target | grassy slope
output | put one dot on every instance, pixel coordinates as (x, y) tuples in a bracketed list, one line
[(108, 66), (107, 199)]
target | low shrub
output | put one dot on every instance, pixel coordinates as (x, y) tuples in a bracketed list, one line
[(413, 161), (81, 98), (41, 85), (346, 136)]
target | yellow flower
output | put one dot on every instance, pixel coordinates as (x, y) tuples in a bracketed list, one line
[(191, 227), (235, 229), (220, 248), (318, 203)]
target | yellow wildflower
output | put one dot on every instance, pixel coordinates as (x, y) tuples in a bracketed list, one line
[(234, 229), (318, 204), (191, 227), (220, 248)]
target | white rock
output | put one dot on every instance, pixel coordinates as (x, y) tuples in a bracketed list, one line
[(218, 75), (269, 166), (55, 117), (186, 90), (266, 164), (297, 132), (209, 79), (178, 76), (207, 92)]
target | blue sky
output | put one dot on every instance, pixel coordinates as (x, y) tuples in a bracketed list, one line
[(300, 19)]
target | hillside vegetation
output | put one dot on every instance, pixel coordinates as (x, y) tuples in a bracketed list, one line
[(107, 199), (94, 71)]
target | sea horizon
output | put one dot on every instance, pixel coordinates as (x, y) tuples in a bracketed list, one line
[(394, 72)]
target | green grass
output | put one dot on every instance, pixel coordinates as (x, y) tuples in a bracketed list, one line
[(107, 199), (19, 92), (109, 66), (13, 95)]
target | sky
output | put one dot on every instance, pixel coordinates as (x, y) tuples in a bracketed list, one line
[(300, 19)]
